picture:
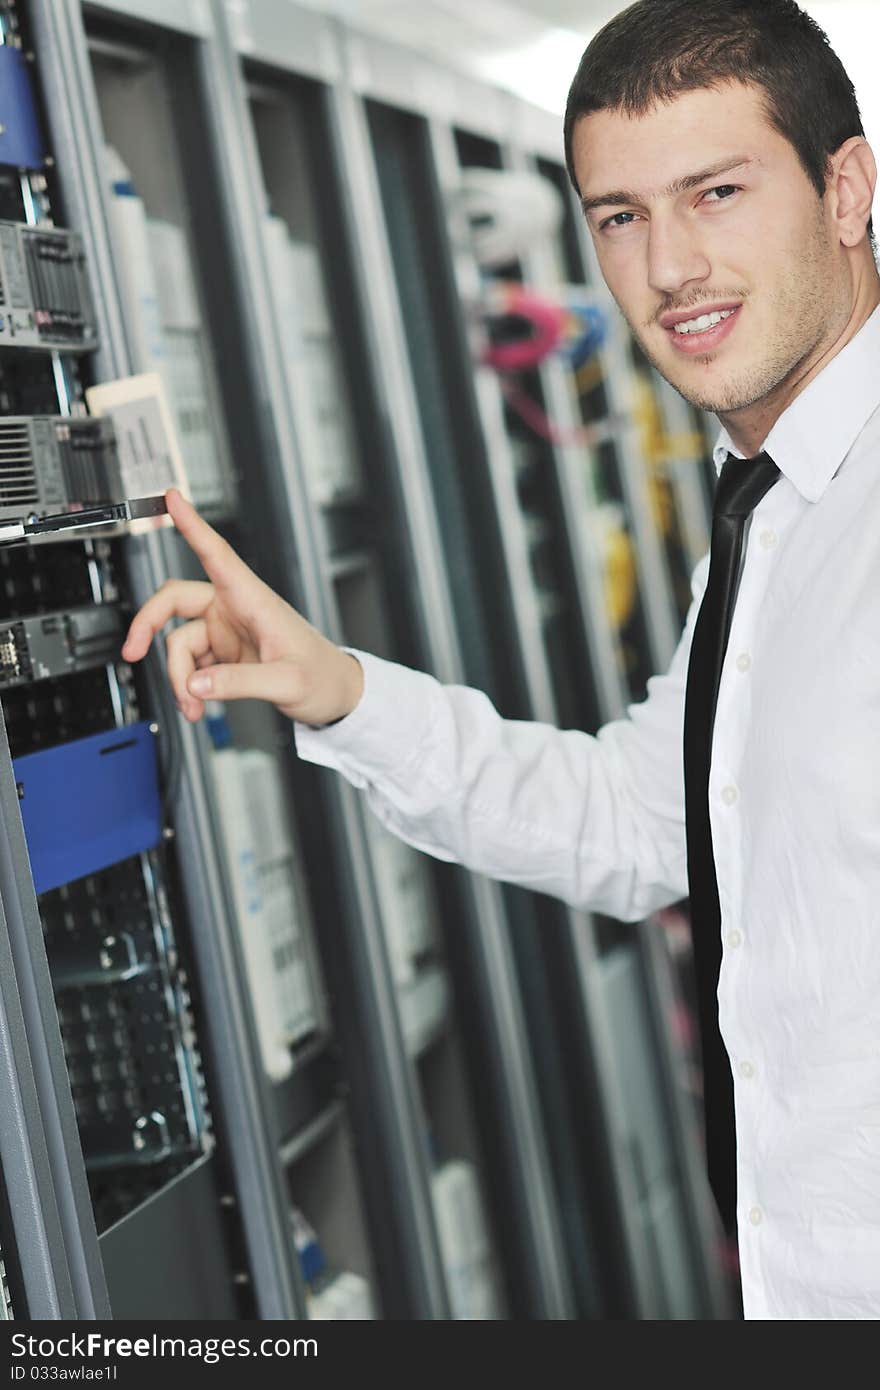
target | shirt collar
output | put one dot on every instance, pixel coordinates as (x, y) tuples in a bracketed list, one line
[(811, 439)]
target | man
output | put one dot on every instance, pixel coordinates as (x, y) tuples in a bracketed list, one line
[(726, 182)]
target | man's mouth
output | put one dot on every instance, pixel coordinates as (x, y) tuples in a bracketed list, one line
[(700, 330)]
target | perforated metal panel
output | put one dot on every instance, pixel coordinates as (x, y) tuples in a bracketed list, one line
[(122, 999), (128, 1034)]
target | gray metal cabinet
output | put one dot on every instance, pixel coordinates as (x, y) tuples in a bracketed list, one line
[(385, 590)]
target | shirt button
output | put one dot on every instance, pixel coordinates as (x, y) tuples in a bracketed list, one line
[(743, 661), (768, 539), (729, 795), (747, 1070), (756, 1216), (734, 938)]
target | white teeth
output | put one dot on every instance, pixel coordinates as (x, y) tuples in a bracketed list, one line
[(703, 322)]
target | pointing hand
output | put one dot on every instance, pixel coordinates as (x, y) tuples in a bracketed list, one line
[(241, 640)]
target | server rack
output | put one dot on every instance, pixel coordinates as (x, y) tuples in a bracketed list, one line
[(406, 1248), (152, 1068), (293, 1113), (371, 565), (400, 150)]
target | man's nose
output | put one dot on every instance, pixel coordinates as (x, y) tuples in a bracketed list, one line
[(675, 256)]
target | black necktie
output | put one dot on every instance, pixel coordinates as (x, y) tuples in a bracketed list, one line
[(742, 484)]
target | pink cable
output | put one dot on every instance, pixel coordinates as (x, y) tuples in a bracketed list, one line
[(549, 321), (538, 421)]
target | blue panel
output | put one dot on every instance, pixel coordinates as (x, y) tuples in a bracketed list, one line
[(88, 804), (21, 142)]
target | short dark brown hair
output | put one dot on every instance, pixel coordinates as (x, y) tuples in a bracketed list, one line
[(656, 49)]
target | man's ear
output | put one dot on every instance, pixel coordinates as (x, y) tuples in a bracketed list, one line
[(850, 188)]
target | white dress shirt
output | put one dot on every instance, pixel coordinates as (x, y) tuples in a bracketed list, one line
[(795, 810)]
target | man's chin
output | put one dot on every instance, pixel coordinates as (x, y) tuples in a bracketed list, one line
[(716, 402), (714, 393), (701, 381)]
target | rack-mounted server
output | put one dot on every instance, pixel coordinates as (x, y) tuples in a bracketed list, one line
[(45, 299), (57, 644)]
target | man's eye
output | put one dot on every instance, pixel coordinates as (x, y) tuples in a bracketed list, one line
[(620, 219), (724, 190)]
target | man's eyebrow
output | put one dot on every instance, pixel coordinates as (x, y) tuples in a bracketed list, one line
[(623, 195)]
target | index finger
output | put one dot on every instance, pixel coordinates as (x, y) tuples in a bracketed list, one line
[(221, 564)]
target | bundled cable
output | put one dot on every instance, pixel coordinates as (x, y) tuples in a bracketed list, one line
[(524, 328), (545, 321), (562, 322), (509, 214), (593, 325)]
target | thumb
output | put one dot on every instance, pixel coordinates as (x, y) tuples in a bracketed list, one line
[(276, 681)]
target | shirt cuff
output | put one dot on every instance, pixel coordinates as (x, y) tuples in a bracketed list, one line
[(385, 732)]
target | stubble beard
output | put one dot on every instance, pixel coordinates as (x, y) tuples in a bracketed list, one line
[(804, 305), (744, 388)]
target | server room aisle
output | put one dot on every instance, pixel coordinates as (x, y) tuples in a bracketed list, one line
[(266, 1061)]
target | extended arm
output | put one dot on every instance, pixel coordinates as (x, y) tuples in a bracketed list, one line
[(598, 822)]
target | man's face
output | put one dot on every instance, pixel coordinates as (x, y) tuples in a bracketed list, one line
[(706, 210)]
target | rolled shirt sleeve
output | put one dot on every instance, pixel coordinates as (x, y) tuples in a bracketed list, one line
[(596, 821)]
